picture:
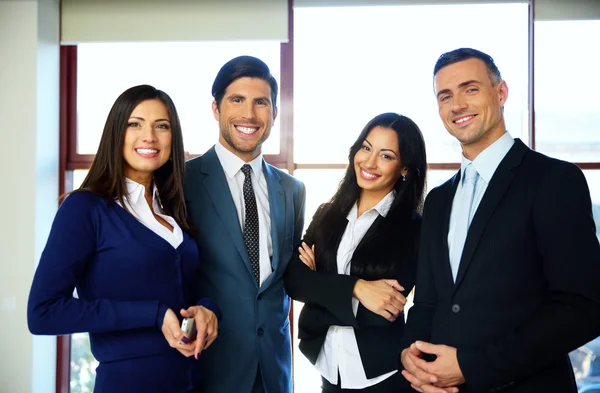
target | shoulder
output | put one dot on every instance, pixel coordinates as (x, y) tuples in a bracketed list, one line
[(82, 200), (440, 191), (541, 162), (80, 206), (287, 181)]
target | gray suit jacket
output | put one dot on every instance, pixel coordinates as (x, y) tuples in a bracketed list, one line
[(255, 327)]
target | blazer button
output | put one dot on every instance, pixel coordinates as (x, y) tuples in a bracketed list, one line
[(455, 308), (260, 331)]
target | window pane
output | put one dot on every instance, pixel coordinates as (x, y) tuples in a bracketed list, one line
[(183, 70), (352, 63), (321, 184), (567, 117), (83, 364)]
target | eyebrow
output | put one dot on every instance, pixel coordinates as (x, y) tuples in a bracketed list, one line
[(366, 140), (235, 95), (142, 119), (460, 86)]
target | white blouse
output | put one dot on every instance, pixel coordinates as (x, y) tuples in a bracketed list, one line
[(138, 207), (340, 349)]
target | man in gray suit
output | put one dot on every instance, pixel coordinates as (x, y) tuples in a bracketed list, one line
[(249, 216)]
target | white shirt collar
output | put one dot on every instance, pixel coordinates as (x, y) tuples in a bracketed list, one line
[(488, 160), (232, 164), (382, 207), (135, 191)]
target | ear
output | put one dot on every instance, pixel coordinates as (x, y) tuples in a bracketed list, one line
[(275, 113), (502, 92), (215, 111)]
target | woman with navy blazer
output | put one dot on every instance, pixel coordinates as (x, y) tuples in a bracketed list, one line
[(122, 241), (357, 261)]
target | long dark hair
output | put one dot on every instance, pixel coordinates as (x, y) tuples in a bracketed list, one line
[(106, 176), (409, 193)]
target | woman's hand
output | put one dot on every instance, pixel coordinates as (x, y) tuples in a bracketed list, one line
[(171, 329), (383, 297), (307, 255), (207, 326)]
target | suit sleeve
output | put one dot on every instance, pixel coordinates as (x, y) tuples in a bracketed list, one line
[(566, 239), (70, 248), (405, 275), (327, 290)]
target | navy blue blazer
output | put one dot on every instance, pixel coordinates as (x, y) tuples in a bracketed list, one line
[(126, 278), (255, 326)]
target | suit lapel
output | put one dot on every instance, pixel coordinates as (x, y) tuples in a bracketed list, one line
[(217, 188), (498, 186), (278, 218), (445, 227)]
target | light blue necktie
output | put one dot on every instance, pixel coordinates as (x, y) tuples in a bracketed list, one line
[(462, 216)]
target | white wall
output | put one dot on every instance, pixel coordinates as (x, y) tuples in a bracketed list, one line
[(29, 120)]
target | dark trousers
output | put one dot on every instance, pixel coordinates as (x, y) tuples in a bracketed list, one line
[(394, 384)]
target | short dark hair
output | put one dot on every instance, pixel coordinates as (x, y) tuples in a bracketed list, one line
[(239, 67), (462, 54), (106, 176)]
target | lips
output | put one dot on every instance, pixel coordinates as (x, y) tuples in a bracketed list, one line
[(368, 175), (246, 130), (147, 152), (463, 120)]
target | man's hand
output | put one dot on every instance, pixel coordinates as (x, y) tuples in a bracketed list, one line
[(207, 326), (439, 376), (383, 297), (171, 329)]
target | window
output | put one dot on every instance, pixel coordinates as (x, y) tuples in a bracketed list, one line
[(566, 86), (352, 63), (185, 71)]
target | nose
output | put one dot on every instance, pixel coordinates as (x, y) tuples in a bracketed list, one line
[(459, 103), (371, 161), (148, 134), (248, 110)]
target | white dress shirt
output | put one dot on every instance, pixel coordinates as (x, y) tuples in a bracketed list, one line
[(232, 166), (138, 207), (340, 349), (486, 164)]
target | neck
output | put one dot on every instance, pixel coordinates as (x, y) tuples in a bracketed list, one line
[(368, 199), (144, 180), (472, 150), (247, 156)]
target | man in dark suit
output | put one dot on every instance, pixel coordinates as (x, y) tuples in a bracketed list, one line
[(509, 260), (249, 217)]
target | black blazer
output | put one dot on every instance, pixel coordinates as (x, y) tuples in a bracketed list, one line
[(328, 296), (527, 288)]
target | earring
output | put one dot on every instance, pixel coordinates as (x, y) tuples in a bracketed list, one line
[(403, 178)]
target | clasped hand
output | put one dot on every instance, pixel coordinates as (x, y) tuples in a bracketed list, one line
[(206, 326), (440, 376)]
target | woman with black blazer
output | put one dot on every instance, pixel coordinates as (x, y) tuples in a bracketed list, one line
[(357, 261)]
